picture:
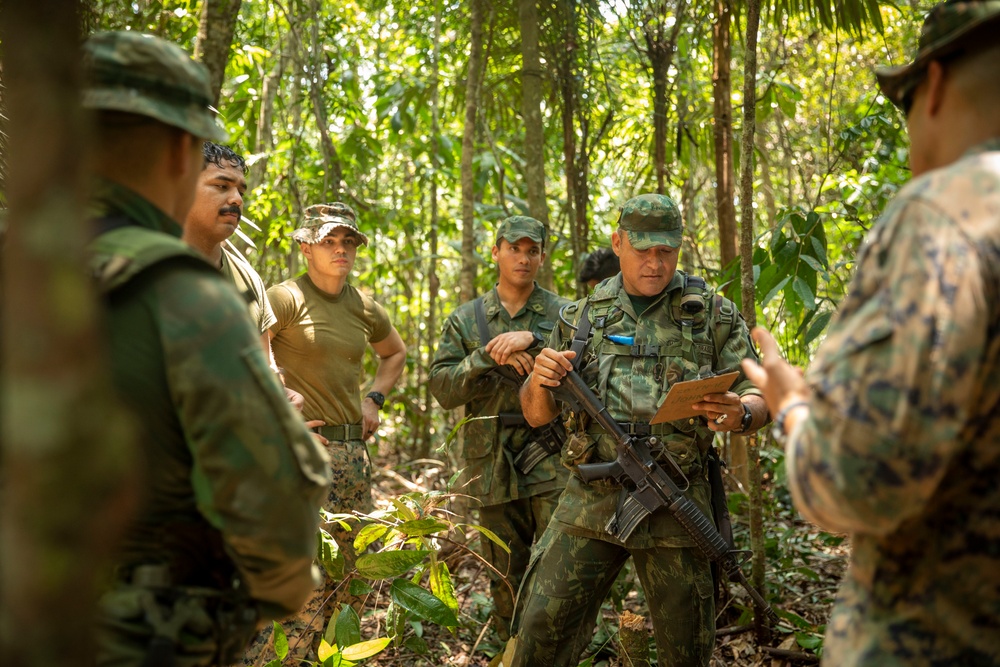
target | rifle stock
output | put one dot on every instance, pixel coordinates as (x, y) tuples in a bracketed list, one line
[(654, 489)]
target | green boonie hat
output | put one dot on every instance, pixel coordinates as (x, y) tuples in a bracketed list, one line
[(652, 220), (948, 28), (145, 75), (518, 227), (321, 219)]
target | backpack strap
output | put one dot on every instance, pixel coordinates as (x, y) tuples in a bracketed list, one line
[(581, 336)]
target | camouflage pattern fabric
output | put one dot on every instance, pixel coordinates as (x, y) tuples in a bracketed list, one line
[(460, 375), (321, 219), (148, 76), (902, 446), (651, 220), (556, 607), (350, 491), (232, 482), (518, 227)]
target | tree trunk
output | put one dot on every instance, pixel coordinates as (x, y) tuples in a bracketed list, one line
[(748, 294), (633, 640), (334, 176), (215, 38), (723, 119), (264, 143), (534, 132), (68, 474), (467, 278)]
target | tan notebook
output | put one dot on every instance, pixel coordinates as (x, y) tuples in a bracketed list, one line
[(681, 396)]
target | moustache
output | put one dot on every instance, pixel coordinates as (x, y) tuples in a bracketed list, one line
[(231, 209)]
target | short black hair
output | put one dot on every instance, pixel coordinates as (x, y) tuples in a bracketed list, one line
[(223, 157), (600, 264)]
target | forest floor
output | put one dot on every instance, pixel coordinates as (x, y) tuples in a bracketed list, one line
[(804, 568)]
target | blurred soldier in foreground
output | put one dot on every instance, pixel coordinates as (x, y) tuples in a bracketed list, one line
[(486, 350), (599, 265), (638, 334), (894, 434), (225, 535)]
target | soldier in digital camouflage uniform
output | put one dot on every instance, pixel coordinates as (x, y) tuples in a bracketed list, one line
[(324, 327), (641, 342), (225, 532), (894, 434), (512, 470)]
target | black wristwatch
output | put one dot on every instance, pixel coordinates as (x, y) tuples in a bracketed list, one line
[(538, 341), (377, 398), (746, 421)]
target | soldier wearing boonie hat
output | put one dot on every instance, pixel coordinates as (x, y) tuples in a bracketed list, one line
[(893, 433), (639, 332), (483, 355), (200, 565), (324, 327), (321, 219)]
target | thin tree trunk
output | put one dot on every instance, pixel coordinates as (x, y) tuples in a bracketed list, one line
[(566, 54), (748, 293), (68, 464), (534, 132), (433, 282), (467, 278), (264, 143), (215, 39), (723, 116), (334, 177)]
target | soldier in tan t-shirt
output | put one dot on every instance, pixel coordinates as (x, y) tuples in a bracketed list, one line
[(324, 326)]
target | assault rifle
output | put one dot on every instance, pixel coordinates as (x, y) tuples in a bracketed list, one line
[(647, 487)]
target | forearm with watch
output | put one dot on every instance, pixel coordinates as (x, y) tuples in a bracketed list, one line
[(755, 415)]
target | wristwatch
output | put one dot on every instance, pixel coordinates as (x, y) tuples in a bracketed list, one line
[(378, 398), (746, 421), (538, 341)]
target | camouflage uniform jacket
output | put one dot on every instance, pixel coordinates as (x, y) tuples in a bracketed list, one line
[(902, 445), (233, 481), (460, 375), (632, 381)]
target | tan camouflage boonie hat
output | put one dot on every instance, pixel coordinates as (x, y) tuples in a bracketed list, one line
[(948, 29), (518, 227), (651, 220), (321, 219), (148, 76)]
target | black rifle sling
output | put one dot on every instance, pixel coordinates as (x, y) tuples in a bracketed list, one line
[(484, 330), (579, 343)]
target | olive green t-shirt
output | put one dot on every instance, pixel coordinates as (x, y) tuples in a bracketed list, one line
[(319, 342), (238, 271)]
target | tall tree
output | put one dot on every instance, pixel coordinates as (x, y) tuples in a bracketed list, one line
[(215, 39), (534, 132), (66, 452), (473, 84), (660, 39), (725, 187)]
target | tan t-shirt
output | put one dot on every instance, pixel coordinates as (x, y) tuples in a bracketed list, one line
[(238, 271), (320, 341)]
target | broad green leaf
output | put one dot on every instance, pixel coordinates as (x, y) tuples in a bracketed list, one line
[(817, 326), (820, 251), (366, 649), (273, 663), (442, 585), (416, 644), (395, 621), (405, 512), (368, 535), (330, 635), (813, 263), (774, 290), (326, 650), (420, 527), (802, 289), (421, 603), (329, 555), (348, 626), (809, 641), (359, 588), (280, 641), (492, 537), (389, 564)]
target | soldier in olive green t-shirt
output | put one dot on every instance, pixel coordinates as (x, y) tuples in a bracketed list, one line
[(324, 326)]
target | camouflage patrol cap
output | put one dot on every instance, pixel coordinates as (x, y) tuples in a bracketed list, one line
[(321, 219), (948, 29), (651, 220), (148, 76), (518, 227)]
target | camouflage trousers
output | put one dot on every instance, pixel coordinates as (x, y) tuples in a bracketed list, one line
[(570, 576), (350, 491), (519, 523)]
